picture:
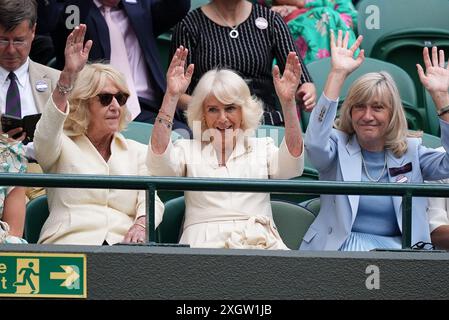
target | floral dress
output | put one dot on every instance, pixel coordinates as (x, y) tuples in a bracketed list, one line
[(310, 26), (12, 159)]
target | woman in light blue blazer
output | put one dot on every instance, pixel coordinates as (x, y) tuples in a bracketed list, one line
[(370, 142)]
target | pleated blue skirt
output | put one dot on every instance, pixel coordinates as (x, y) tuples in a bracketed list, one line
[(358, 241)]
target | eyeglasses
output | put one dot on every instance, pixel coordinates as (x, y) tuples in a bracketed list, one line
[(15, 43), (106, 98), (421, 245)]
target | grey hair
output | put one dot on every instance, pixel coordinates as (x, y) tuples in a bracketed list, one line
[(14, 12)]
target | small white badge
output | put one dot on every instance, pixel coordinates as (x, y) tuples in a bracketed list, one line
[(401, 179), (131, 1), (41, 85), (261, 23)]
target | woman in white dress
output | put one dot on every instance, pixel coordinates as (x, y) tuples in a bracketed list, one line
[(222, 115)]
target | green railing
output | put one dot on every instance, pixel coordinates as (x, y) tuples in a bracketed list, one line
[(151, 184)]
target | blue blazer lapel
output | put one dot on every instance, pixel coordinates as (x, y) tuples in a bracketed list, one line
[(351, 168)]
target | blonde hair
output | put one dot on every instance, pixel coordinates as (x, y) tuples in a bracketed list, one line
[(229, 88), (378, 85), (90, 82)]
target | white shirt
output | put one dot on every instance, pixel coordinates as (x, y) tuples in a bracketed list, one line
[(23, 82), (27, 104)]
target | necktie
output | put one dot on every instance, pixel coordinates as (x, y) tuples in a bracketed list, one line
[(13, 97), (119, 60)]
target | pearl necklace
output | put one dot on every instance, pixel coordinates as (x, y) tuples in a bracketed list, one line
[(233, 33), (366, 169)]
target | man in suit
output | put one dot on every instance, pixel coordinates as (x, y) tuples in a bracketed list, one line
[(35, 82), (140, 23)]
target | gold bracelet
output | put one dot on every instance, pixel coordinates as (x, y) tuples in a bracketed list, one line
[(167, 122), (140, 225)]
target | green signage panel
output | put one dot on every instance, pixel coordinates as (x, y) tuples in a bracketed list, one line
[(43, 275)]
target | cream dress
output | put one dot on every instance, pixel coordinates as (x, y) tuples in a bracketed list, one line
[(228, 219)]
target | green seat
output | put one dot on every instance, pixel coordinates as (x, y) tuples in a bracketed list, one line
[(277, 133), (138, 131), (377, 18), (309, 173), (36, 215), (404, 49), (164, 46), (431, 141), (169, 230), (197, 3), (313, 205), (141, 132), (433, 121), (292, 222), (415, 116)]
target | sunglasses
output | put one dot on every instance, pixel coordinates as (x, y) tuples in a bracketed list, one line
[(106, 98)]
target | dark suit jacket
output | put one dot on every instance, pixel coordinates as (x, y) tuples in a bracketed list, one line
[(149, 18)]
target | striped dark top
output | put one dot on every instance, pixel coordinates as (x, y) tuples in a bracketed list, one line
[(251, 53)]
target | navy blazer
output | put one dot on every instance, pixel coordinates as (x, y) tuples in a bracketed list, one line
[(337, 157), (148, 18)]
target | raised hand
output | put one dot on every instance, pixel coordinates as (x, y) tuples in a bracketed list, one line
[(178, 78), (342, 58), (436, 76), (76, 52), (287, 84)]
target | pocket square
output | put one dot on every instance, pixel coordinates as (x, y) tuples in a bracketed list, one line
[(400, 170)]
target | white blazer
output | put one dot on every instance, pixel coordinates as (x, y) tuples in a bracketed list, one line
[(88, 216), (337, 157)]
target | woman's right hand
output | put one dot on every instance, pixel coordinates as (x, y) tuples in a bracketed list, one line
[(178, 78), (342, 58), (76, 52)]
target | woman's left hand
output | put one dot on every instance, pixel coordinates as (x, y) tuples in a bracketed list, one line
[(287, 84), (306, 94), (436, 77), (137, 232)]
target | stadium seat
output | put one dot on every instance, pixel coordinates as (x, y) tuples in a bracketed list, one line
[(164, 46), (431, 141), (292, 222), (415, 116), (404, 49), (433, 121), (198, 3), (169, 230), (36, 215), (377, 18), (313, 205), (141, 132), (309, 174), (277, 133)]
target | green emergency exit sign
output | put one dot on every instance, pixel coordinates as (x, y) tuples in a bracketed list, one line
[(43, 275)]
